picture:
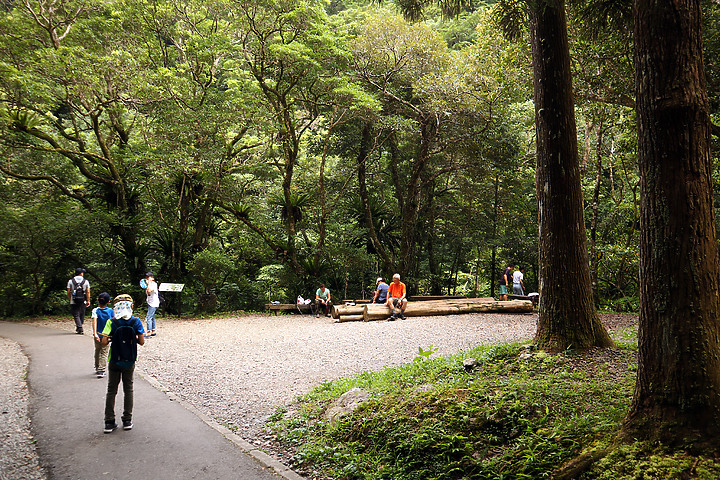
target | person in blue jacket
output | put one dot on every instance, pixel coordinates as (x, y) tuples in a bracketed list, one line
[(100, 315)]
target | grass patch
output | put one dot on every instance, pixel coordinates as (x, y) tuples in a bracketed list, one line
[(518, 414)]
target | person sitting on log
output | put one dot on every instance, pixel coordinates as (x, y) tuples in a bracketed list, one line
[(322, 298), (381, 291), (397, 298)]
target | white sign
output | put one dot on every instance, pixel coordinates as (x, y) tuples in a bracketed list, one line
[(171, 287)]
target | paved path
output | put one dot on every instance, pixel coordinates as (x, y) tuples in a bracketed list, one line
[(168, 441)]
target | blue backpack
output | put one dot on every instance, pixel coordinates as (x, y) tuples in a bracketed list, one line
[(123, 351)]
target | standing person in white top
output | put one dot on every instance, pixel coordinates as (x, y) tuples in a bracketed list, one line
[(78, 292), (518, 285), (153, 301)]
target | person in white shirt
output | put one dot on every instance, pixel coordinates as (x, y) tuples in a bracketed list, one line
[(518, 285), (78, 292), (153, 302)]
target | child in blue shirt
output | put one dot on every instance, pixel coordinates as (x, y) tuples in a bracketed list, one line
[(123, 306), (100, 316)]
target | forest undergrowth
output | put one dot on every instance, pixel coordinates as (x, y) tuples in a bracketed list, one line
[(518, 413)]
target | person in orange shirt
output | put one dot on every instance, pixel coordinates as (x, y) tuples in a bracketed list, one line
[(397, 297)]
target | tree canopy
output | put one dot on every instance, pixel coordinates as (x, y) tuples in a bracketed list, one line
[(276, 145)]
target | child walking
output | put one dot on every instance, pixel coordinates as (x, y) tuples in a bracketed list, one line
[(126, 332), (100, 316)]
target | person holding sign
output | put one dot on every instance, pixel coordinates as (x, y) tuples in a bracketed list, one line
[(153, 302)]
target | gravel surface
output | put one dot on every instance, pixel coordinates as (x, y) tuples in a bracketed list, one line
[(18, 457), (238, 370)]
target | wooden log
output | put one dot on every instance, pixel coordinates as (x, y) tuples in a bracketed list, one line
[(288, 307), (427, 304), (431, 308), (350, 318), (339, 310), (535, 298), (422, 298)]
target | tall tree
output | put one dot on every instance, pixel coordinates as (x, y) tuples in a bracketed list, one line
[(677, 394), (567, 316), (293, 56)]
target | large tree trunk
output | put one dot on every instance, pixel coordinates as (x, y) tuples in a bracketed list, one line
[(567, 316), (677, 395)]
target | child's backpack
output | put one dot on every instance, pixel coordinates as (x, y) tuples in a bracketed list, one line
[(78, 293), (123, 351)]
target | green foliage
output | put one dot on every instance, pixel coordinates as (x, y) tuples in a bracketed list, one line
[(519, 414), (172, 128), (424, 354), (638, 460)]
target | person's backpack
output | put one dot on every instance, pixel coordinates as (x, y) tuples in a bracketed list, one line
[(78, 293), (123, 351)]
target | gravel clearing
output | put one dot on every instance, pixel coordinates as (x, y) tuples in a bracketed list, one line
[(18, 456), (238, 370)]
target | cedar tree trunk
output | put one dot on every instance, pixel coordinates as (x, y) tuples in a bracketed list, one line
[(677, 395), (567, 316)]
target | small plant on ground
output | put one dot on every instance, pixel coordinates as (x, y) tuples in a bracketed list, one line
[(424, 354)]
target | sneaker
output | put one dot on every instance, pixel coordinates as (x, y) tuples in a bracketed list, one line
[(110, 427), (101, 373), (317, 315), (402, 317), (391, 319), (127, 424)]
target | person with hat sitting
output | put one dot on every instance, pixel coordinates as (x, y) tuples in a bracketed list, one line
[(381, 291)]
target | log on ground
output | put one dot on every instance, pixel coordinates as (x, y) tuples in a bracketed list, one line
[(350, 318), (438, 307), (338, 311)]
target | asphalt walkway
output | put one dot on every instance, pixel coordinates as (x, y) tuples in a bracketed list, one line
[(169, 439)]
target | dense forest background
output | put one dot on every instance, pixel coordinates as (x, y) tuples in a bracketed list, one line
[(253, 149)]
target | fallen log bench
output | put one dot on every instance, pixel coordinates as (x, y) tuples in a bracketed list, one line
[(339, 311), (289, 307), (423, 298), (431, 308), (349, 313), (533, 298)]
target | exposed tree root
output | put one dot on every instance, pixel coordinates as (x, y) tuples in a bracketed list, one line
[(575, 467)]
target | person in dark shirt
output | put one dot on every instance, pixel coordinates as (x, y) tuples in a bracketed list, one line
[(505, 282)]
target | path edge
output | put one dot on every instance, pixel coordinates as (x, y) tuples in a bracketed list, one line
[(246, 447)]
